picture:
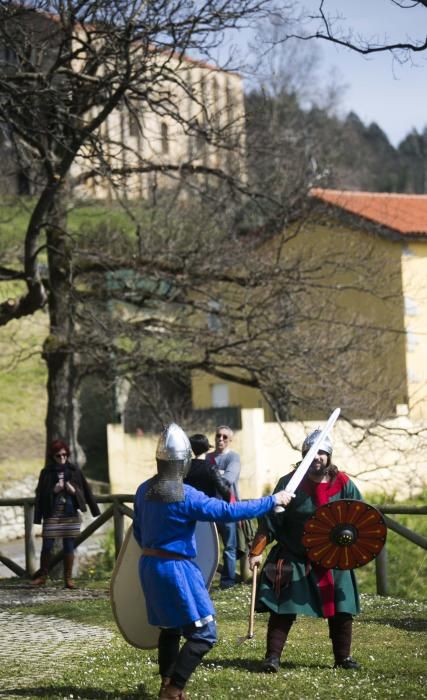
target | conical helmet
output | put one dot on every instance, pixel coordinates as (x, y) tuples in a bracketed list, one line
[(325, 445), (173, 456), (173, 445)]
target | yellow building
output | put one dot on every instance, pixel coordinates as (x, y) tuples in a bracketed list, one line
[(368, 288)]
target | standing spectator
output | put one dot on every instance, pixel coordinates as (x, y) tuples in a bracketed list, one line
[(202, 475), (290, 584), (227, 462), (61, 492)]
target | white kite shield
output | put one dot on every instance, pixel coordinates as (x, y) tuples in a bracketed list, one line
[(126, 594)]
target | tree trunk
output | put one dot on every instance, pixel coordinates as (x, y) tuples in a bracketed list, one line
[(58, 350)]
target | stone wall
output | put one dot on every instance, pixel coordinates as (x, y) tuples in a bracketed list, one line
[(12, 517), (389, 459)]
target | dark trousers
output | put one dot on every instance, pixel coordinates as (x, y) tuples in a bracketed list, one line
[(67, 544), (277, 633), (228, 534), (340, 634), (178, 664)]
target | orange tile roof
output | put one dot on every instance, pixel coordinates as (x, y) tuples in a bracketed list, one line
[(404, 213)]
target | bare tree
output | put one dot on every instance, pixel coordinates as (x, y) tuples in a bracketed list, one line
[(309, 325), (193, 280), (326, 23), (62, 76)]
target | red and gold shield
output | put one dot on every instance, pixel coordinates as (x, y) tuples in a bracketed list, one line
[(344, 534)]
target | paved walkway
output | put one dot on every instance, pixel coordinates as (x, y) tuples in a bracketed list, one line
[(15, 550), (42, 639), (22, 593)]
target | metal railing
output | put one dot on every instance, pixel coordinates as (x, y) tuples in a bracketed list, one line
[(117, 509)]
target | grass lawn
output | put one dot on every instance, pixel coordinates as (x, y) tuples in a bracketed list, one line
[(389, 642)]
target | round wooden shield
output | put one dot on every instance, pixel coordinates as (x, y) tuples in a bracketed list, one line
[(344, 534)]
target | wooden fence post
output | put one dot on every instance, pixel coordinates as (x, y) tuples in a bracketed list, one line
[(30, 547), (118, 520), (381, 572)]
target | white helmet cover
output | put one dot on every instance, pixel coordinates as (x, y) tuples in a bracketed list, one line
[(325, 445)]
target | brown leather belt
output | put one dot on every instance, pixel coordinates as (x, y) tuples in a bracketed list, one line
[(163, 553)]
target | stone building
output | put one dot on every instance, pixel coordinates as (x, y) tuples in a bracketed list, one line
[(184, 115), (206, 129)]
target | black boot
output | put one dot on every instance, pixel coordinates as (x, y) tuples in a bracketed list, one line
[(340, 632), (271, 664), (349, 664), (277, 634)]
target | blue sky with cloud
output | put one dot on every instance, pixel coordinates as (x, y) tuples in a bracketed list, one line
[(378, 87)]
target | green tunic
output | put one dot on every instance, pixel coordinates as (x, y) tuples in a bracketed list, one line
[(305, 588)]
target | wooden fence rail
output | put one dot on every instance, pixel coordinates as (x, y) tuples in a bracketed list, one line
[(117, 509)]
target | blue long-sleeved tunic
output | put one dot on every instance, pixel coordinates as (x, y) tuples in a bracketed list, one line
[(174, 590)]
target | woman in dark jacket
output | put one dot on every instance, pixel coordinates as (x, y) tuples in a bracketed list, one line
[(203, 476), (61, 492)]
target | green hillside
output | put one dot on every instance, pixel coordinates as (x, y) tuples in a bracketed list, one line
[(23, 377), (23, 397)]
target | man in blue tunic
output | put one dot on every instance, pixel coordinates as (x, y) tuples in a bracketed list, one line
[(166, 511)]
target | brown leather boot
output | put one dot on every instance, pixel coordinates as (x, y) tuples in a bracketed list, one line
[(68, 569), (163, 684), (43, 572), (171, 692)]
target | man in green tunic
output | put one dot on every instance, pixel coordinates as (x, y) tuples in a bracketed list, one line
[(290, 584)]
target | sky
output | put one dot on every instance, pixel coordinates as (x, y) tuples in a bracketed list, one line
[(376, 87)]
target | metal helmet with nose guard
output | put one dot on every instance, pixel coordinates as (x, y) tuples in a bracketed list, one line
[(173, 457)]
